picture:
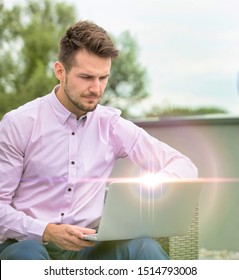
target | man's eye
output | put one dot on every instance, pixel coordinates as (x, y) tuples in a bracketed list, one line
[(103, 78), (85, 77)]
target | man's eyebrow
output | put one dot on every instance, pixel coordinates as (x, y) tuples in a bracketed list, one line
[(91, 75), (86, 75)]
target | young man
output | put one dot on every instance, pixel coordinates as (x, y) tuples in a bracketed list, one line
[(56, 153)]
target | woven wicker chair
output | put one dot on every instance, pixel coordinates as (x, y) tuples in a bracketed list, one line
[(183, 247)]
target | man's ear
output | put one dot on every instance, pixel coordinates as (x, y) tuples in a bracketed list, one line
[(59, 70)]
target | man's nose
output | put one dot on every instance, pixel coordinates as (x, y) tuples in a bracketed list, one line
[(95, 86)]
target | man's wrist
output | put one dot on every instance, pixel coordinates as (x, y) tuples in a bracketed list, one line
[(46, 234)]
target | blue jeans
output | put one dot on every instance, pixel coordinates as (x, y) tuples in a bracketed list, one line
[(136, 249)]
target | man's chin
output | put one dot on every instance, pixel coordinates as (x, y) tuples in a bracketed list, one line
[(90, 108)]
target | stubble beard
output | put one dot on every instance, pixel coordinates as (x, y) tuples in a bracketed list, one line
[(78, 104)]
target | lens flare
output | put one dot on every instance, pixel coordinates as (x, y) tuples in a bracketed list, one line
[(150, 180)]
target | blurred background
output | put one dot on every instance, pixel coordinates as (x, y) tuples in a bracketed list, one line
[(178, 57)]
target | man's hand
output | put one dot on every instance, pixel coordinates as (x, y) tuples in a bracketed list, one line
[(67, 237)]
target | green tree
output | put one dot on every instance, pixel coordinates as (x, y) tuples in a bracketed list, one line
[(28, 49), (128, 79), (176, 111), (8, 21)]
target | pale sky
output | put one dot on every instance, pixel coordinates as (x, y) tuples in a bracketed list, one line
[(190, 48)]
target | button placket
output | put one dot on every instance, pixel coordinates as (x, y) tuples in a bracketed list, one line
[(73, 147), (72, 166)]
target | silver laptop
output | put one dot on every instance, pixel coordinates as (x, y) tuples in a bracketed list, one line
[(132, 210)]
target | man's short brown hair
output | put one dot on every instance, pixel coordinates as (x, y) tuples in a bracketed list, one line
[(85, 35)]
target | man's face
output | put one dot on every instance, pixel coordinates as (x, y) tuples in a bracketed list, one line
[(83, 86)]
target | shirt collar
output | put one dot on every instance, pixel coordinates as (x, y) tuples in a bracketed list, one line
[(61, 112)]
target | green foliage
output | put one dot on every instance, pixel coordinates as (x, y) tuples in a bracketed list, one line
[(173, 111), (128, 78), (29, 36)]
